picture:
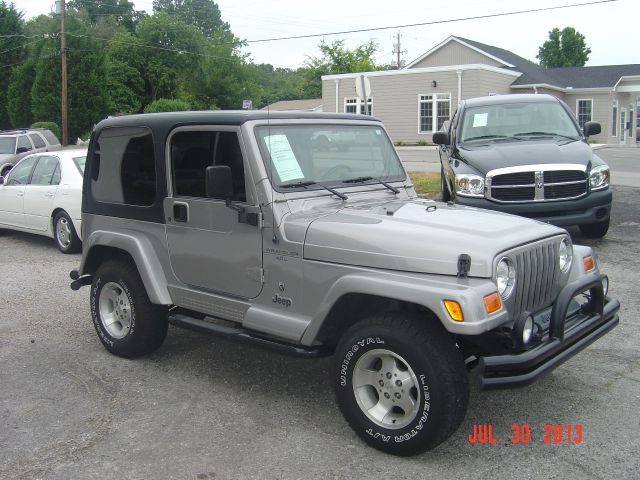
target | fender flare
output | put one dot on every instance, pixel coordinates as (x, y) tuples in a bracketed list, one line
[(144, 255)]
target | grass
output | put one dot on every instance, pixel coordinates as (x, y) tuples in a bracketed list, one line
[(427, 185)]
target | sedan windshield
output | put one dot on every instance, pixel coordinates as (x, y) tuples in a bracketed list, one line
[(313, 156), (517, 121), (8, 145), (80, 161)]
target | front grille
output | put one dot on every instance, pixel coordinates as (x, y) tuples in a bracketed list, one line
[(538, 275), (521, 194), (538, 185)]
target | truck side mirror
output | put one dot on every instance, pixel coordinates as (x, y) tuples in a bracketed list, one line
[(441, 138), (218, 182), (592, 128)]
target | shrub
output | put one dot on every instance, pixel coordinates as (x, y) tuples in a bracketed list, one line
[(48, 125), (424, 143), (167, 105)]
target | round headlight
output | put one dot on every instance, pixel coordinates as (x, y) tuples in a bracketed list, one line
[(505, 277), (565, 255)]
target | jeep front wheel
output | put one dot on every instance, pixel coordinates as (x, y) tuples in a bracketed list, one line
[(400, 382), (126, 321)]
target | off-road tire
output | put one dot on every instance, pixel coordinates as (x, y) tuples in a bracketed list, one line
[(595, 230), (438, 367), (446, 196), (148, 324), (64, 234)]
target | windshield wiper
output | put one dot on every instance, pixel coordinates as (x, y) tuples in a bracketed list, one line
[(366, 179), (492, 137), (551, 134), (308, 183)]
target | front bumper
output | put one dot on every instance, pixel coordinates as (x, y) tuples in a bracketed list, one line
[(596, 319), (592, 208)]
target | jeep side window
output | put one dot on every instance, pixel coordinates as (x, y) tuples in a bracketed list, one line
[(193, 151), (131, 178)]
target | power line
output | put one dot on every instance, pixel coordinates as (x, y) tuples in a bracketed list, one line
[(435, 22)]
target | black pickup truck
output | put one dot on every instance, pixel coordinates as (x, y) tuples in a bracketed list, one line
[(526, 155)]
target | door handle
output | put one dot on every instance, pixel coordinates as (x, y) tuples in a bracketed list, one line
[(180, 212), (48, 194), (20, 194)]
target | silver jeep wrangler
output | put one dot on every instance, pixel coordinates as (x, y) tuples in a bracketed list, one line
[(243, 225)]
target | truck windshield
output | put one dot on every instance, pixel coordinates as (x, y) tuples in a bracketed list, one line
[(301, 156), (517, 121), (8, 145)]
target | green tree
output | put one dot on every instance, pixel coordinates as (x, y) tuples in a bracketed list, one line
[(167, 105), (336, 58), (13, 52), (125, 87), (202, 14), (566, 48), (121, 12)]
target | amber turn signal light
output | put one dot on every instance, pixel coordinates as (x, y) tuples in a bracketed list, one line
[(492, 302), (588, 263), (454, 309)]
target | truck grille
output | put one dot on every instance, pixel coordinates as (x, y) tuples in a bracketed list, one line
[(536, 185), (538, 277)]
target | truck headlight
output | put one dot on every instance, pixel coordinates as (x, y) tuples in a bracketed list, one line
[(599, 177), (505, 277), (565, 255), (470, 185)]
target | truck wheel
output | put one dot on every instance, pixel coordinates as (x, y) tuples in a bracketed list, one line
[(595, 230), (446, 196), (65, 234), (400, 382), (126, 321)]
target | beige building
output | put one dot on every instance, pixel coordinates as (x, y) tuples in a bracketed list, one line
[(414, 102)]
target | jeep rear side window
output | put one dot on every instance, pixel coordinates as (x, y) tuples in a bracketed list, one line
[(131, 176), (193, 151)]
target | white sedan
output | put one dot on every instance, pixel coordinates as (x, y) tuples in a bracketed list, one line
[(43, 194)]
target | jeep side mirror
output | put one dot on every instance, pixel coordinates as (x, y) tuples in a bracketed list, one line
[(592, 128), (218, 182), (441, 138)]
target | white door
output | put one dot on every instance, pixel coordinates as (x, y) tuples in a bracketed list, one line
[(12, 193), (40, 192), (623, 126)]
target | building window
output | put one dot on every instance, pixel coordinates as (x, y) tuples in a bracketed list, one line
[(584, 110), (433, 109), (614, 120), (356, 105)]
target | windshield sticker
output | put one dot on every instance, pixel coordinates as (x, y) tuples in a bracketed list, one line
[(480, 120), (283, 158)]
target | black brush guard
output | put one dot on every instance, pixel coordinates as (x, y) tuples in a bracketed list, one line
[(598, 317)]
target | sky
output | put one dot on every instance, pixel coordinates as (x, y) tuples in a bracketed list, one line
[(610, 28)]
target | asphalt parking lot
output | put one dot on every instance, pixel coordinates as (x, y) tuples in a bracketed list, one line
[(204, 408)]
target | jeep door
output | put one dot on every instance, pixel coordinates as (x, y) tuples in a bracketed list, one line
[(209, 248)]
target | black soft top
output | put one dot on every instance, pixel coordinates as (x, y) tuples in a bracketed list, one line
[(168, 120)]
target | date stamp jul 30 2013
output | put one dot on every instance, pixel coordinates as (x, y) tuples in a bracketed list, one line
[(522, 434)]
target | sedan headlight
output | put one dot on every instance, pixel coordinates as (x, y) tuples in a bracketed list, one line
[(505, 277), (565, 255), (599, 177), (470, 185)]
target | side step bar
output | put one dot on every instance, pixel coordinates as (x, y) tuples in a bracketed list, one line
[(246, 336)]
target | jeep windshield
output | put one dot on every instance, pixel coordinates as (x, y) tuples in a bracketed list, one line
[(310, 157), (516, 122), (7, 145)]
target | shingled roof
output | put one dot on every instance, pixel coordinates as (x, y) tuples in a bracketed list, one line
[(605, 76)]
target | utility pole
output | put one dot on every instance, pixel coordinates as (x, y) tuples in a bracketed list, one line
[(63, 54), (397, 50)]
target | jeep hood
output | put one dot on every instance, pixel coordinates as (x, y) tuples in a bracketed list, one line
[(418, 236), (533, 152)]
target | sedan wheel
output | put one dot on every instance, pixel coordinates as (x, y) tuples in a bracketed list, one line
[(66, 238)]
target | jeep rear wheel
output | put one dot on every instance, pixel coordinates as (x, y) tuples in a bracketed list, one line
[(400, 382), (126, 321)]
